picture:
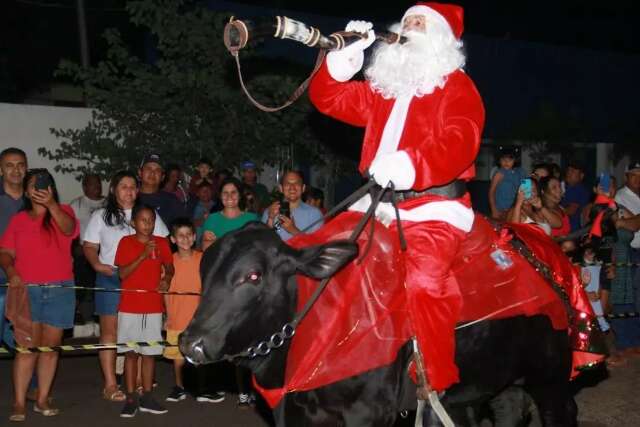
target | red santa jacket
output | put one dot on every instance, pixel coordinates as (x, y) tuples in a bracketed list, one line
[(441, 133)]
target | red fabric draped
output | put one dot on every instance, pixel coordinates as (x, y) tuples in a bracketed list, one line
[(361, 320)]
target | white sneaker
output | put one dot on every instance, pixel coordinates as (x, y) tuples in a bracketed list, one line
[(83, 331), (96, 329), (91, 328)]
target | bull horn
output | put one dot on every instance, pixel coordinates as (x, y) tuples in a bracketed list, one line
[(237, 34)]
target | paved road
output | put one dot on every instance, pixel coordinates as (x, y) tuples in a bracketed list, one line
[(603, 401)]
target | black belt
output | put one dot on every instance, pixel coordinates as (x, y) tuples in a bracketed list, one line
[(453, 190)]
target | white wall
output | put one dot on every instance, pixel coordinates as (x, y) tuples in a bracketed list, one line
[(27, 127)]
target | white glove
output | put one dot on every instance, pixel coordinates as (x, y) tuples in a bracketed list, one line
[(345, 63), (395, 167)]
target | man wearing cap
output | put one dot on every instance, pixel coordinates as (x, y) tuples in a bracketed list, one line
[(423, 119), (250, 179), (166, 204), (625, 287)]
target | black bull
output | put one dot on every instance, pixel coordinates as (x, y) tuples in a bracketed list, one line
[(247, 296)]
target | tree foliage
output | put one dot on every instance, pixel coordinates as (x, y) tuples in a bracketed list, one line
[(183, 104)]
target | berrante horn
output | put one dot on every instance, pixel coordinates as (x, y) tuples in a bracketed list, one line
[(237, 34)]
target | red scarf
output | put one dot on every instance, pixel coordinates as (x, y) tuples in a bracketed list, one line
[(596, 227)]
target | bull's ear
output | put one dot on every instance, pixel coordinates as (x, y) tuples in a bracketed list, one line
[(324, 261)]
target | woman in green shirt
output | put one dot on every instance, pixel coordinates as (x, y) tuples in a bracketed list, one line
[(231, 217)]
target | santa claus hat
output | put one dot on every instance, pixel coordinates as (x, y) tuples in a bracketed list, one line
[(449, 14)]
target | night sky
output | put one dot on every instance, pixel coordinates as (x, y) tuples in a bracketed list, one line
[(35, 34)]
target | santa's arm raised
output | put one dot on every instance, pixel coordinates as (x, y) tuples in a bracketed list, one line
[(331, 91), (452, 148)]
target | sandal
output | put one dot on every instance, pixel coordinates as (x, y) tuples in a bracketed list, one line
[(113, 394), (47, 412), (17, 416)]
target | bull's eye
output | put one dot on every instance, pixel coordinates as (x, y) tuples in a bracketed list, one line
[(254, 277)]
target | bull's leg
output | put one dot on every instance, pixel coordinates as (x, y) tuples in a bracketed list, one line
[(555, 405), (511, 408)]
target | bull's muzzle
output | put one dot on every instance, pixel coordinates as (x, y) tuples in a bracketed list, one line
[(192, 348)]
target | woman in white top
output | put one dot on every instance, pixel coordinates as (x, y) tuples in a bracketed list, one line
[(100, 242)]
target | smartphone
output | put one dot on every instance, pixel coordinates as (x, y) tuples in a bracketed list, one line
[(43, 181), (525, 186), (285, 209), (604, 182)]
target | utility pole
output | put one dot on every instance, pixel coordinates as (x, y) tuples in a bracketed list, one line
[(82, 36)]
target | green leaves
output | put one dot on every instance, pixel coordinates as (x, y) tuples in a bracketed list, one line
[(184, 105)]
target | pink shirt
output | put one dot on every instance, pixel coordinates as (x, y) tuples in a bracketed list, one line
[(41, 256)]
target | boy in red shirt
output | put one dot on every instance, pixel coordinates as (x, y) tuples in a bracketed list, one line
[(141, 259)]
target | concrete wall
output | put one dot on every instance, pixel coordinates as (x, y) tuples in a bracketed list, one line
[(27, 127)]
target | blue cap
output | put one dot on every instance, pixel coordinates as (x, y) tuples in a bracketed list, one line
[(247, 165), (150, 158)]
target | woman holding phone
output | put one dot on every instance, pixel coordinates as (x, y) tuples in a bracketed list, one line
[(35, 250), (528, 207)]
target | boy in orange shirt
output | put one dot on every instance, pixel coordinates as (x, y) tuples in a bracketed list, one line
[(141, 259), (181, 308)]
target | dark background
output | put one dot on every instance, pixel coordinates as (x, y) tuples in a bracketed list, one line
[(36, 34)]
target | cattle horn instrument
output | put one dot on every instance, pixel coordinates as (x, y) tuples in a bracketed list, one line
[(237, 34)]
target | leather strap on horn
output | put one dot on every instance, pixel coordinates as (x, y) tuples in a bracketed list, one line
[(234, 50), (296, 94)]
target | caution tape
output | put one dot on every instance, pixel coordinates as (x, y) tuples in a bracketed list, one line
[(85, 347), (137, 344), (610, 264), (627, 315), (98, 289)]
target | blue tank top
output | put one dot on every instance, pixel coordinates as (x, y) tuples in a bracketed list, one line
[(507, 188)]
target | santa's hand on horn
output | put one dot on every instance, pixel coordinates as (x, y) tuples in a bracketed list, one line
[(393, 167), (345, 63)]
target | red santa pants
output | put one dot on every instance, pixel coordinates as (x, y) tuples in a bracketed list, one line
[(433, 295)]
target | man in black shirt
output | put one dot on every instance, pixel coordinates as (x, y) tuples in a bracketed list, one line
[(166, 204)]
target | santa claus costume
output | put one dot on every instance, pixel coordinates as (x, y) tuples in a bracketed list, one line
[(423, 120)]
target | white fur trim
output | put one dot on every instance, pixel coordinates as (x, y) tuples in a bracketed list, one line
[(396, 167), (449, 211), (428, 13), (344, 64), (395, 125)]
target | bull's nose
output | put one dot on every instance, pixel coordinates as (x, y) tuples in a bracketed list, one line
[(193, 350)]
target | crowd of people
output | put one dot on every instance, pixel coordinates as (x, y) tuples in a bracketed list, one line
[(122, 241), (605, 244), (423, 120)]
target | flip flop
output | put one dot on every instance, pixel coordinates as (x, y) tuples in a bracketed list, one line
[(48, 412), (114, 395)]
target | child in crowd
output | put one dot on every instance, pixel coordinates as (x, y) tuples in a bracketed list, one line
[(181, 308), (591, 274), (315, 197), (202, 209), (203, 175), (504, 183), (141, 259)]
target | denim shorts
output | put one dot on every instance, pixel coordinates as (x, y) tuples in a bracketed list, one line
[(107, 302), (53, 306)]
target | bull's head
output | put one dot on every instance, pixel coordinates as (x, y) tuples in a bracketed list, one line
[(246, 291)]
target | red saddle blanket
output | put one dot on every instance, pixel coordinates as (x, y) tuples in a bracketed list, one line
[(360, 320)]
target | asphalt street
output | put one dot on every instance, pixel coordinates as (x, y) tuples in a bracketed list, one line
[(604, 399)]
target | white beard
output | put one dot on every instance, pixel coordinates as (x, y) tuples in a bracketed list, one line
[(418, 66)]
